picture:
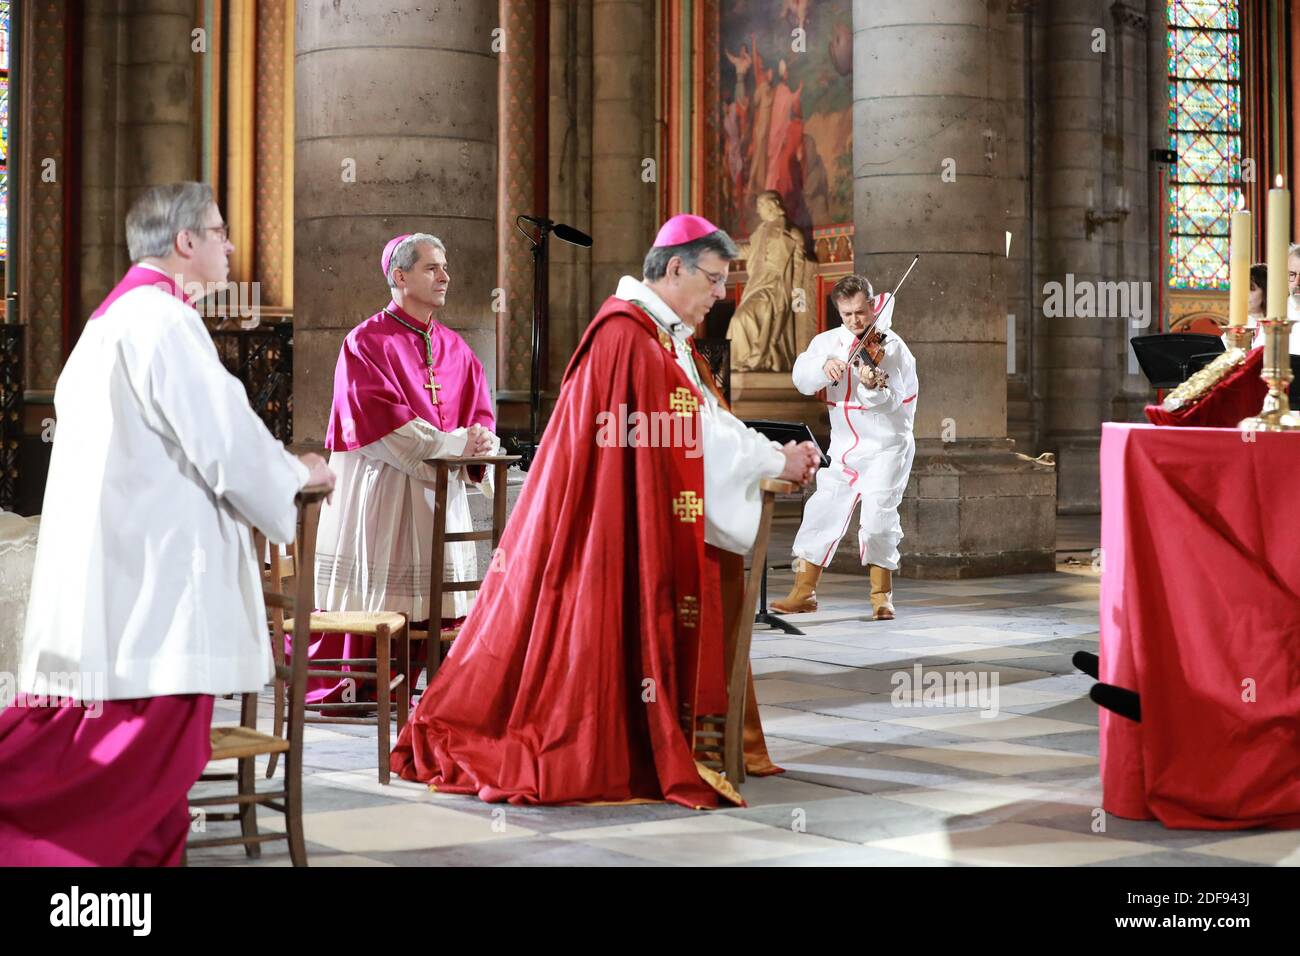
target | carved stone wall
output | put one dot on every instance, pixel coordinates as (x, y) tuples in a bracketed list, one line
[(43, 167)]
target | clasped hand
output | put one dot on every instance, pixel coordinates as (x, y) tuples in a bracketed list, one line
[(478, 442), (801, 462)]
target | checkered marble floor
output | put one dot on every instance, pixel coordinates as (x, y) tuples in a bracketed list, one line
[(872, 776)]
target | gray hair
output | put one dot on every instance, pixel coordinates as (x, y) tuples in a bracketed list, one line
[(161, 213), (1294, 250), (656, 260), (407, 254)]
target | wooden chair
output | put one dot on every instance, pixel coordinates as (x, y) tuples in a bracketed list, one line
[(726, 735), (388, 669), (434, 650), (245, 743)]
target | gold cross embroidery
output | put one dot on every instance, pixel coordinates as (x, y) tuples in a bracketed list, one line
[(687, 507), (666, 341), (433, 388), (682, 401), (688, 610)]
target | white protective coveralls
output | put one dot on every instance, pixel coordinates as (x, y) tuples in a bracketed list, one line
[(871, 448)]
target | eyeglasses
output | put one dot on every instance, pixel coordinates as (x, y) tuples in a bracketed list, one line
[(222, 231), (715, 278)]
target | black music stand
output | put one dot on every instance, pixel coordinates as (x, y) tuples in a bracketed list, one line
[(1168, 359), (780, 432)]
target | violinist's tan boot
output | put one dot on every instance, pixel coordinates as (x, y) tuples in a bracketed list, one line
[(803, 596), (882, 593)]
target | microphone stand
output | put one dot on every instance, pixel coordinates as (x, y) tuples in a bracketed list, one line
[(541, 302), (527, 450)]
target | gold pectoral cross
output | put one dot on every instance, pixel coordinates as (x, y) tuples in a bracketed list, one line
[(433, 388)]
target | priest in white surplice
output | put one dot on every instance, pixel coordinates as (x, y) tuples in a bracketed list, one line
[(146, 596), (406, 389)]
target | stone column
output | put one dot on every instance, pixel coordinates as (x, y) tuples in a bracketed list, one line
[(1074, 357), (929, 98), (140, 127), (1018, 196), (520, 190), (1129, 389), (569, 142), (623, 203), (395, 131), (41, 260), (1157, 123)]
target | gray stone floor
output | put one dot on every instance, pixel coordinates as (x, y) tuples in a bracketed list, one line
[(1009, 778)]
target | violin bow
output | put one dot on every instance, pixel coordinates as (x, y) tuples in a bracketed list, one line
[(853, 353)]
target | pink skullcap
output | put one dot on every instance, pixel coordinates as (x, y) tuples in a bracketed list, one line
[(683, 229), (389, 249)]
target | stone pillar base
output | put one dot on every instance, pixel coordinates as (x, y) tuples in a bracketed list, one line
[(975, 509), (771, 395), (1079, 460), (972, 509)]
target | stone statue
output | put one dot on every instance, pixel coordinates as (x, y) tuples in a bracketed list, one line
[(772, 321)]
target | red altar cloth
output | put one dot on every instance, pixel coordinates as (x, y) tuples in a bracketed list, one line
[(1200, 611)]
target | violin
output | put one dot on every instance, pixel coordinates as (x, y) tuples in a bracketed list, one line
[(869, 350)]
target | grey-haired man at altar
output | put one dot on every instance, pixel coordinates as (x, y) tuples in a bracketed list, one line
[(406, 389)]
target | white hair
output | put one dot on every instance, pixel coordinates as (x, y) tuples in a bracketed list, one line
[(407, 253), (161, 213)]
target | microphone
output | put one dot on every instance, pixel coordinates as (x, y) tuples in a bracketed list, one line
[(563, 231), (575, 236)]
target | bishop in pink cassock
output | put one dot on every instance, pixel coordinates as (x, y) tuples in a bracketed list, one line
[(406, 389)]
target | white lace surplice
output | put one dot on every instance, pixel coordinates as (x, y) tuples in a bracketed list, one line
[(17, 559), (373, 545)]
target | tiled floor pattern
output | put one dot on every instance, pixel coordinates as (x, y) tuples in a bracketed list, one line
[(1000, 772)]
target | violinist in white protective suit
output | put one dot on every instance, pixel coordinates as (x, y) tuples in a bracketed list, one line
[(872, 404)]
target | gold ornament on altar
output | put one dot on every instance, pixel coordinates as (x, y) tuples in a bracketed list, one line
[(1201, 383)]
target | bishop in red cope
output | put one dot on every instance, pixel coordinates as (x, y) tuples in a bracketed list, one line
[(583, 668)]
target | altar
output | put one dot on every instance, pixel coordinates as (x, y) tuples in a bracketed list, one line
[(1200, 615)]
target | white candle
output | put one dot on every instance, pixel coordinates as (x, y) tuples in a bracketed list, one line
[(1279, 239), (1239, 266)]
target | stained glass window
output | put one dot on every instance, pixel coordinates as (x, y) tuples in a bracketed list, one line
[(1205, 131), (4, 130)]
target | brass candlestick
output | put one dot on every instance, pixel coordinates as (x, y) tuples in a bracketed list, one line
[(1276, 415), (1239, 336)]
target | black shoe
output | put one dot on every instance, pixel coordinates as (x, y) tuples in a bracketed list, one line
[(1117, 700), (1086, 662)]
